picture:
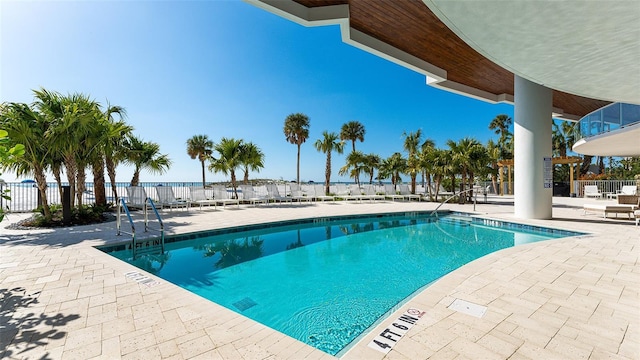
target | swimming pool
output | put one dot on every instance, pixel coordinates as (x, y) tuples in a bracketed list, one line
[(325, 281)]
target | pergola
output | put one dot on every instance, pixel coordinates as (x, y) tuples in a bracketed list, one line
[(570, 160)]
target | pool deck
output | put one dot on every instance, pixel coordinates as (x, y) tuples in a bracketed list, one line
[(571, 298)]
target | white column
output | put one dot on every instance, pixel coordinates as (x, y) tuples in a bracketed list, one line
[(532, 143)]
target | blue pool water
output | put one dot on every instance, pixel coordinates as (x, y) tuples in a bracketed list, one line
[(326, 282)]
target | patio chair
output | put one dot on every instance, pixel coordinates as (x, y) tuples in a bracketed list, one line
[(592, 191), (406, 193), (627, 190), (136, 197), (297, 194), (221, 196), (249, 195), (351, 192), (320, 195), (274, 194), (390, 192), (197, 196), (371, 194), (166, 198)]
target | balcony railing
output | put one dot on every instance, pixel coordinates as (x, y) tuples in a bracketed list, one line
[(609, 118)]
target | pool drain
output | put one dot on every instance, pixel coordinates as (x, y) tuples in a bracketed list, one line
[(244, 304)]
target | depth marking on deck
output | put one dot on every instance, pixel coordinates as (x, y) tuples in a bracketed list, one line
[(394, 332), (141, 279), (468, 308)]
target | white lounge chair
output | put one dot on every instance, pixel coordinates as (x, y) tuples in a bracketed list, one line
[(320, 195), (297, 194), (406, 193), (221, 196), (611, 209), (274, 194), (592, 191), (251, 196), (198, 196), (136, 197), (166, 198), (370, 193), (390, 192), (626, 190), (351, 192)]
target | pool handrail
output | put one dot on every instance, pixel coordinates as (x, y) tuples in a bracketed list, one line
[(158, 217), (123, 205), (475, 197)]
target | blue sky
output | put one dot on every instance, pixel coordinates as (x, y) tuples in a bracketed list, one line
[(224, 69)]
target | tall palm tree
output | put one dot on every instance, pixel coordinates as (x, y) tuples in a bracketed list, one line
[(27, 126), (145, 155), (199, 146), (392, 167), (493, 151), (427, 146), (115, 150), (412, 146), (353, 130), (230, 158), (354, 166), (329, 142), (252, 158), (296, 130), (501, 124)]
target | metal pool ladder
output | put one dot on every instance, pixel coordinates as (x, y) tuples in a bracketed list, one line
[(148, 203)]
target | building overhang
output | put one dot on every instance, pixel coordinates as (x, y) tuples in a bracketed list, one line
[(410, 33)]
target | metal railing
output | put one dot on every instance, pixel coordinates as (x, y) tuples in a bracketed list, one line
[(148, 204)]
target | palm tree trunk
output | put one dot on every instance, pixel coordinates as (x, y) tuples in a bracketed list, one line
[(233, 183), (98, 183), (41, 182), (298, 168), (111, 171), (72, 169), (135, 180), (413, 182), (246, 176), (82, 184), (203, 180), (584, 168), (327, 174), (494, 178), (56, 174), (427, 177)]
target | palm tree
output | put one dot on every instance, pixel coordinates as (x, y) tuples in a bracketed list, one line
[(327, 144), (353, 130), (199, 146), (371, 162), (411, 145), (252, 158), (115, 151), (354, 166), (501, 124), (109, 131), (427, 146), (296, 130), (145, 155), (392, 167), (27, 126), (493, 151), (464, 154), (230, 158)]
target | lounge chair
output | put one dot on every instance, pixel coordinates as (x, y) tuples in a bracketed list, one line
[(320, 195), (636, 214), (297, 194), (592, 191), (221, 196), (370, 193), (197, 196), (136, 197), (249, 195), (626, 190), (406, 193), (621, 208), (166, 198), (390, 192), (274, 194), (352, 192)]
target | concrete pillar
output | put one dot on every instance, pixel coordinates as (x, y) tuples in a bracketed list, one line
[(532, 144)]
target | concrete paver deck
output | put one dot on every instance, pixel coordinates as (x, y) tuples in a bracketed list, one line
[(571, 298)]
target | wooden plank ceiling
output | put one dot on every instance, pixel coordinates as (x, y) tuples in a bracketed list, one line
[(410, 26)]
